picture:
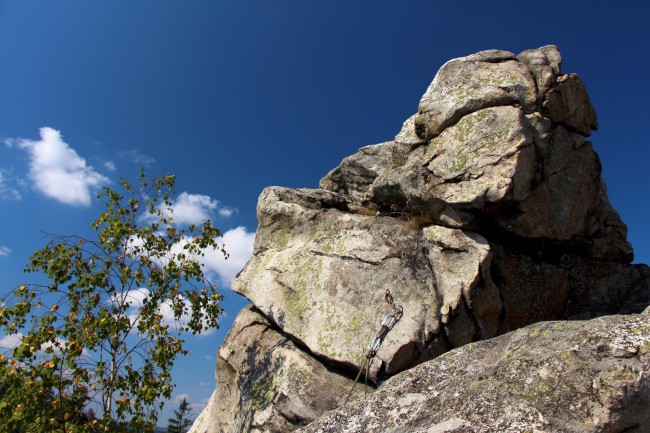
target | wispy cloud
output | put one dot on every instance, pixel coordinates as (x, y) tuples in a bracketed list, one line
[(110, 165), (197, 408), (9, 185), (57, 170), (136, 157), (180, 397), (4, 251)]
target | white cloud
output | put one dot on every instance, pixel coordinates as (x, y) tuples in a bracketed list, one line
[(135, 299), (10, 341), (4, 251), (238, 243), (57, 170), (193, 208), (227, 212)]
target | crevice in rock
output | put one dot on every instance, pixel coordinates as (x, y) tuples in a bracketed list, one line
[(470, 315), (344, 369), (632, 429), (348, 258), (498, 281)]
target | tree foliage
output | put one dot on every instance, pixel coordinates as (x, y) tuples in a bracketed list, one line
[(106, 330), (181, 421)]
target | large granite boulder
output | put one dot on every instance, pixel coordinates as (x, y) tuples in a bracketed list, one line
[(485, 214), (321, 274), (568, 377)]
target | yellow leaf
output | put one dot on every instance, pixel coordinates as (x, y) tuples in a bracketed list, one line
[(2, 356), (11, 372)]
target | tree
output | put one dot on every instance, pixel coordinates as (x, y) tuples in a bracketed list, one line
[(106, 330), (181, 421)]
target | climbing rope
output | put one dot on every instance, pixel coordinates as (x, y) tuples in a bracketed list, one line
[(386, 325)]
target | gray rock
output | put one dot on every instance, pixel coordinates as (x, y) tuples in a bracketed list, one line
[(468, 84), (265, 383), (549, 377), (499, 169), (545, 64), (535, 285), (322, 276), (568, 104), (638, 298), (485, 158), (407, 134), (353, 177), (490, 56)]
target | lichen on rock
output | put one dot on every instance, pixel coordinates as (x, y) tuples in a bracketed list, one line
[(574, 376)]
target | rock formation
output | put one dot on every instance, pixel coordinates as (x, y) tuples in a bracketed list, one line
[(487, 213), (568, 377)]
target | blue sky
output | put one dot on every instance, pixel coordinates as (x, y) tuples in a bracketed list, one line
[(234, 96)]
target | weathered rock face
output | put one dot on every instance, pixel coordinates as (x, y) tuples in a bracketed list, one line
[(506, 152), (266, 383), (580, 376), (486, 213)]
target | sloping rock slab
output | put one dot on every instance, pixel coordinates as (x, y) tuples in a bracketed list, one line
[(582, 376), (265, 383)]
